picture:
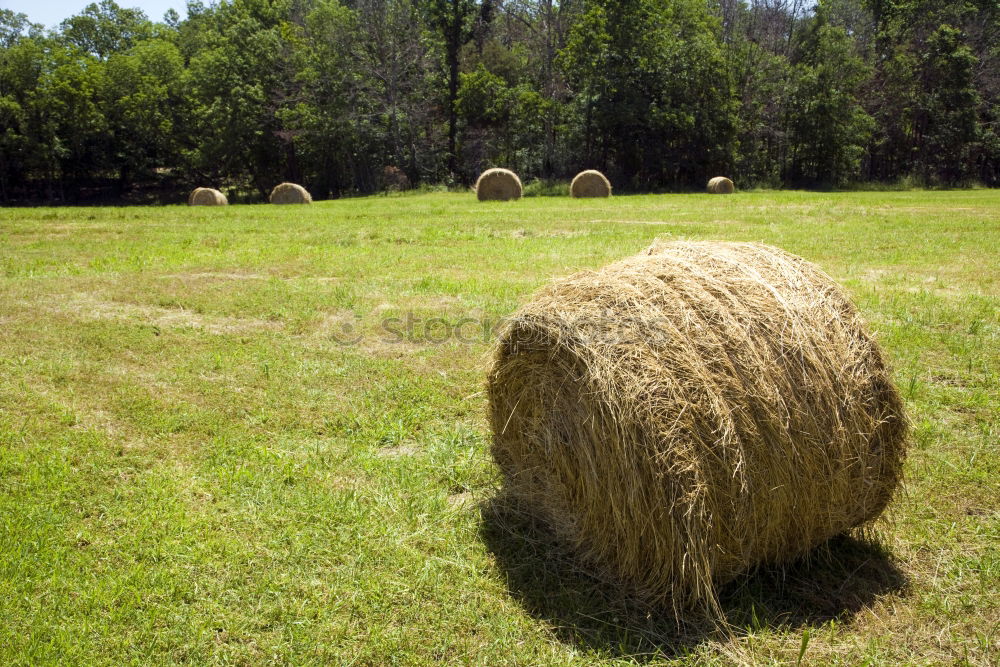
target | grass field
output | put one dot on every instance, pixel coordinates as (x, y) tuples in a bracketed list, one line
[(257, 435)]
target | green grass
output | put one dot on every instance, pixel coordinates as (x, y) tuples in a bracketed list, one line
[(194, 469)]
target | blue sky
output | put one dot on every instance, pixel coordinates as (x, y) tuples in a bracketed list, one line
[(52, 12)]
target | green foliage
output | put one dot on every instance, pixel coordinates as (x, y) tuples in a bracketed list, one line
[(14, 27), (658, 94), (483, 98), (546, 188), (144, 102), (935, 86), (654, 89), (503, 124), (450, 21), (948, 118), (828, 127), (105, 28)]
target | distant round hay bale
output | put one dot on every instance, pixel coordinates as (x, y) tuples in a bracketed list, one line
[(590, 183), (498, 185), (207, 197), (688, 413), (290, 193), (720, 185), (395, 179)]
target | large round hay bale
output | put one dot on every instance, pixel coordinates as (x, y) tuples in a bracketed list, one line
[(290, 193), (498, 185), (685, 414), (590, 183), (720, 185), (207, 197)]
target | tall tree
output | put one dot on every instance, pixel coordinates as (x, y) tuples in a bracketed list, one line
[(935, 89), (451, 19), (659, 105), (143, 106), (829, 129), (105, 28), (329, 116), (544, 31), (395, 76), (946, 125), (238, 84), (22, 55)]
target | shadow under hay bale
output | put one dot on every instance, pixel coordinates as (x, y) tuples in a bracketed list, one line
[(498, 185), (207, 197), (290, 193), (720, 185), (590, 183), (685, 415), (838, 580)]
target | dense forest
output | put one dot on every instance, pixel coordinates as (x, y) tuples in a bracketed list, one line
[(356, 96)]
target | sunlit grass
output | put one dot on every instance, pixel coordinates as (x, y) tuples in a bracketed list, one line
[(194, 466)]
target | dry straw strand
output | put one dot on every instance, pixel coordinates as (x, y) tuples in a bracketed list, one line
[(207, 197), (290, 193), (498, 185), (688, 413), (720, 185), (590, 183)]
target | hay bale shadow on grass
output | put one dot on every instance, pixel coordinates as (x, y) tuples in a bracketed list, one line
[(838, 580)]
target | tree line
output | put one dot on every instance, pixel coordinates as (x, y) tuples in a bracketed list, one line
[(354, 96)]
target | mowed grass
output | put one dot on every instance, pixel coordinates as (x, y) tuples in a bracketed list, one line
[(257, 434)]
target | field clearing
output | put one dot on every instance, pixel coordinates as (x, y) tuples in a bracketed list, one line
[(257, 434)]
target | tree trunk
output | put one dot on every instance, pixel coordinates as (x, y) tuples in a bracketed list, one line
[(454, 39)]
